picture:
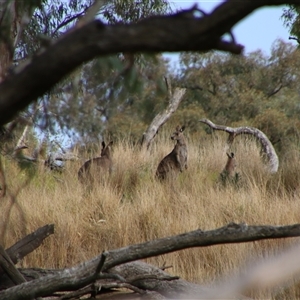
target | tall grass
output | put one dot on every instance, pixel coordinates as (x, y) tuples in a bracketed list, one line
[(132, 207)]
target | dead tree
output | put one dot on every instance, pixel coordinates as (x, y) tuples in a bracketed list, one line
[(9, 274), (174, 99), (267, 146)]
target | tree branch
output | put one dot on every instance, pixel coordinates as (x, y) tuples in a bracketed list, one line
[(85, 273), (8, 266), (178, 32), (267, 146), (275, 91), (29, 243), (294, 38)]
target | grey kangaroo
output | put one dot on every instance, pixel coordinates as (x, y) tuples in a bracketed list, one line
[(228, 174), (97, 166), (176, 161)]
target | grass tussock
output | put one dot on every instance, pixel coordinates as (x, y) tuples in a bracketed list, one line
[(132, 207)]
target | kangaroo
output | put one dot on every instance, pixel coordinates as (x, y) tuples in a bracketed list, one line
[(96, 165), (176, 161), (228, 173)]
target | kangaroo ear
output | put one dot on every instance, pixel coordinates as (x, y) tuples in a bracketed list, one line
[(182, 128), (110, 143), (103, 145), (230, 155)]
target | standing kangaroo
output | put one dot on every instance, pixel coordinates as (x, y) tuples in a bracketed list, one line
[(176, 161), (95, 166), (228, 173)]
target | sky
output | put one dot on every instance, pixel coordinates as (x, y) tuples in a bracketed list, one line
[(258, 31)]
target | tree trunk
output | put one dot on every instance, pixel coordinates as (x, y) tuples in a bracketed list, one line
[(9, 275), (161, 118)]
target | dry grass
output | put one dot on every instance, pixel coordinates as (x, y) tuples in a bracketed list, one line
[(132, 207)]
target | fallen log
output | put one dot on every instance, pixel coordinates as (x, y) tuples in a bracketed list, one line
[(100, 267), (29, 243), (9, 268), (9, 275)]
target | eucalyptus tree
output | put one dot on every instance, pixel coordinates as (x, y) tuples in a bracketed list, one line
[(253, 89), (291, 19), (83, 102)]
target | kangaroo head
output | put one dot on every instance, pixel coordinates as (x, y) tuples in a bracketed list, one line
[(231, 163), (106, 148), (230, 155), (178, 133)]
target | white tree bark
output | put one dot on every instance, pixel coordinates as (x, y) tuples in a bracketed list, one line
[(174, 99), (267, 146)]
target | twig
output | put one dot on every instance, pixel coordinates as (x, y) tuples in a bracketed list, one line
[(101, 262)]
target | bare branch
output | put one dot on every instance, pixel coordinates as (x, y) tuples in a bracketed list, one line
[(8, 266), (101, 262), (275, 91), (68, 21), (29, 243), (294, 38), (267, 146), (191, 87)]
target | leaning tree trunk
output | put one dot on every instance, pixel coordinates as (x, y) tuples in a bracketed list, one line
[(161, 118), (267, 146)]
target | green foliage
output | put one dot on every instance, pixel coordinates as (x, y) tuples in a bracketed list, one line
[(123, 126), (189, 115), (291, 19), (49, 20), (104, 93), (86, 103), (253, 90), (281, 130), (25, 166)]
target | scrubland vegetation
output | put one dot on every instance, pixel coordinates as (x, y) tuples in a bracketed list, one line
[(133, 207)]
